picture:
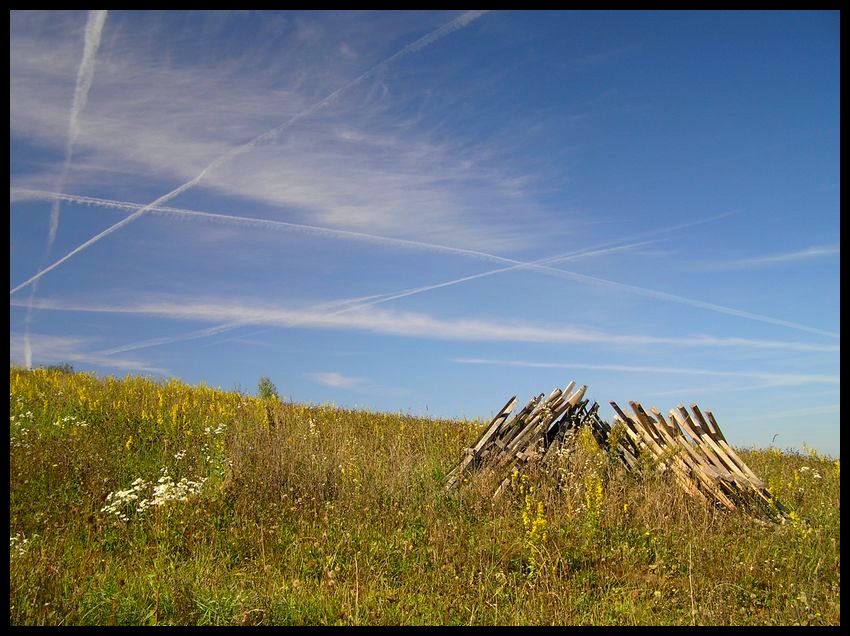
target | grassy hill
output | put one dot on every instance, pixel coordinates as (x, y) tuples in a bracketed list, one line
[(137, 502)]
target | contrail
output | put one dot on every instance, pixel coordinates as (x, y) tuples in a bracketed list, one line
[(353, 304), (22, 193), (426, 288), (212, 331), (780, 379), (818, 251), (413, 324), (538, 266), (458, 23), (530, 265), (682, 300), (156, 342), (85, 76)]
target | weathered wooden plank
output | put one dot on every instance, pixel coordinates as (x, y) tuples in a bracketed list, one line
[(495, 424), (704, 471), (647, 427), (679, 468), (575, 397), (627, 443), (735, 473), (632, 429), (729, 449), (526, 410), (627, 454), (484, 439), (650, 427), (563, 406), (715, 487), (731, 481), (528, 434), (542, 416), (505, 482), (715, 428), (506, 462), (729, 461), (683, 418), (598, 420), (746, 474), (689, 448)]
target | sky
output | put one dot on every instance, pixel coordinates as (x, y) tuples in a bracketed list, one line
[(430, 212)]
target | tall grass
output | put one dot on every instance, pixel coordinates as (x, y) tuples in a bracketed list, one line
[(136, 502)]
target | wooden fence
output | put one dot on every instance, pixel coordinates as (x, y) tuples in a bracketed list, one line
[(690, 445)]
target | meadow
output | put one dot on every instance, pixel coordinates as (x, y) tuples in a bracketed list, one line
[(136, 502)]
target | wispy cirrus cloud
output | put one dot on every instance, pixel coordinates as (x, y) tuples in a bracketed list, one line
[(85, 76), (411, 324), (26, 194), (772, 379), (809, 411), (18, 194), (354, 166), (49, 349), (335, 380), (542, 265), (775, 260), (261, 176)]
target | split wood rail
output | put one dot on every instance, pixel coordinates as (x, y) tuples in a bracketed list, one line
[(690, 445)]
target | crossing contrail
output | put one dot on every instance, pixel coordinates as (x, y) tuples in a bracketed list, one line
[(458, 23), (411, 324), (544, 266), (353, 304), (343, 306), (23, 193), (217, 329), (85, 76)]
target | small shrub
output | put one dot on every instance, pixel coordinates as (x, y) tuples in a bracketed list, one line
[(267, 390)]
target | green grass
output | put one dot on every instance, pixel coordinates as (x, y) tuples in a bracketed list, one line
[(291, 514)]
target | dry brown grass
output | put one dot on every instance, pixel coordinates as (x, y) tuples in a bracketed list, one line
[(318, 515)]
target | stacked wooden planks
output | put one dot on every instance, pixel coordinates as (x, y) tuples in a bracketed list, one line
[(691, 445), (694, 448), (530, 435)]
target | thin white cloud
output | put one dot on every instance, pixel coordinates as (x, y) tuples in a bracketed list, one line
[(335, 380), (267, 137), (774, 379), (47, 349), (354, 175), (412, 324), (347, 51), (345, 305), (23, 194), (809, 411), (218, 329), (691, 302), (541, 265), (773, 260), (85, 76), (164, 340), (711, 388)]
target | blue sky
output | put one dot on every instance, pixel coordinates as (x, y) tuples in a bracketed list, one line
[(430, 212)]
